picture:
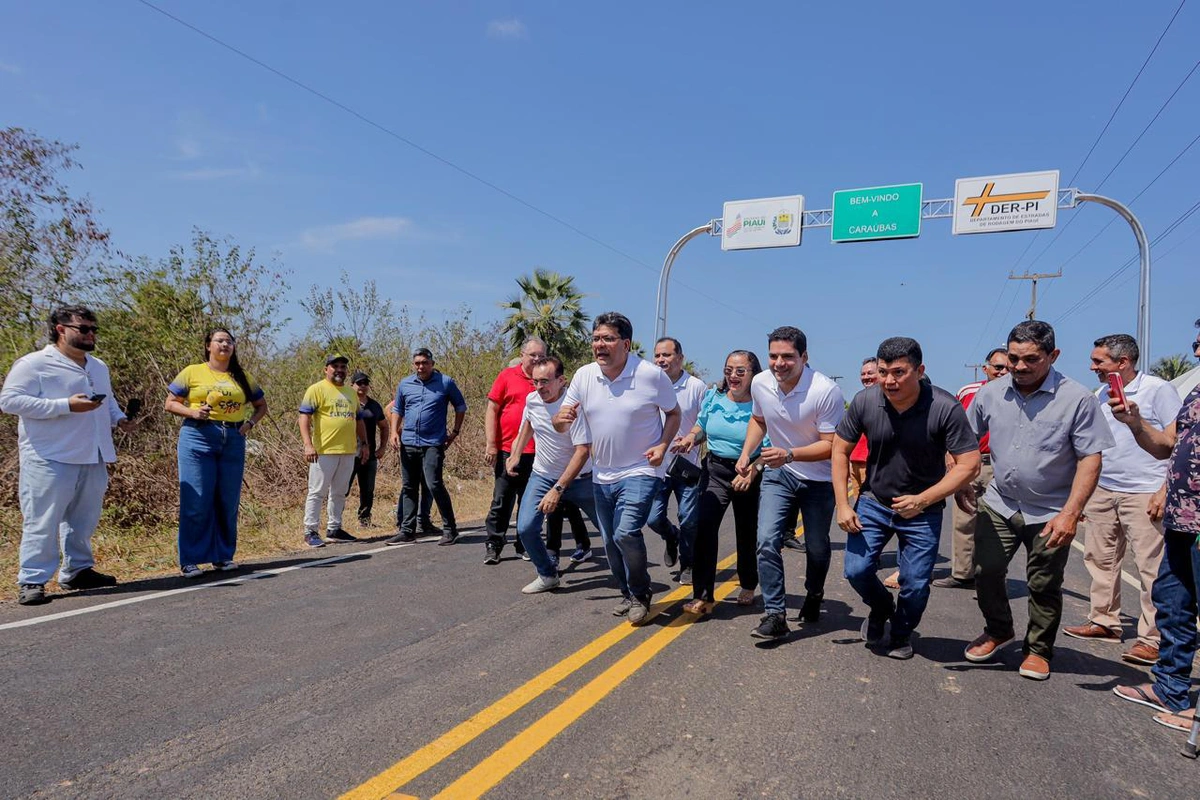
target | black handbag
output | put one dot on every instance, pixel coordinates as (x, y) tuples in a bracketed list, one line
[(684, 471)]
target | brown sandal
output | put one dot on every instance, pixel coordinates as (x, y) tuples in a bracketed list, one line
[(745, 597), (892, 581), (700, 608)]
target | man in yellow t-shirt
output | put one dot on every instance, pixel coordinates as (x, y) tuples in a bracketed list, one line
[(334, 435)]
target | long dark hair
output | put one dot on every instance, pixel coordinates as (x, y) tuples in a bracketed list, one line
[(755, 367), (235, 368)]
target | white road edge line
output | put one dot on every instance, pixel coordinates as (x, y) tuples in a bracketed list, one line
[(235, 581), (1125, 576)]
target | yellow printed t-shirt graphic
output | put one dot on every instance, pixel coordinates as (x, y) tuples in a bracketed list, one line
[(334, 411), (200, 384)]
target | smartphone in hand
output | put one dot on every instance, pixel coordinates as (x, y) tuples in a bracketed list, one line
[(96, 398), (133, 408), (1116, 388)]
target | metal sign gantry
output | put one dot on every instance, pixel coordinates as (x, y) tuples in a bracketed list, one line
[(938, 209)]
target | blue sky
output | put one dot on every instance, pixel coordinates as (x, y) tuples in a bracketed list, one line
[(634, 122)]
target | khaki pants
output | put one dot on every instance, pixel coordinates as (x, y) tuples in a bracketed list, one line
[(1116, 520), (963, 540)]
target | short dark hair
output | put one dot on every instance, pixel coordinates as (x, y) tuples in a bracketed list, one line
[(615, 320), (786, 333), (65, 315), (423, 351), (993, 352), (673, 341), (1120, 345), (870, 360), (898, 347), (1033, 330), (544, 360)]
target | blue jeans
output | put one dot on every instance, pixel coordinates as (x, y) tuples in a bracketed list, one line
[(211, 461), (622, 509), (529, 516), (688, 498), (782, 495), (1174, 596), (918, 547), (60, 508)]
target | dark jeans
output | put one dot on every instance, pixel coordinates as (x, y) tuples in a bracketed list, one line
[(782, 495), (996, 542), (1174, 596), (424, 465), (918, 547), (687, 498), (365, 472), (506, 491), (716, 495), (554, 527)]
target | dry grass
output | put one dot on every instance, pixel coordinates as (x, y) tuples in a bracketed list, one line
[(142, 552)]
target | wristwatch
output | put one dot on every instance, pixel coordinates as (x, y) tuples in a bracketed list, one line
[(789, 458), (558, 487)]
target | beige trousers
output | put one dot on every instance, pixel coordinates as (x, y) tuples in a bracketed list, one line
[(963, 540), (1115, 521)]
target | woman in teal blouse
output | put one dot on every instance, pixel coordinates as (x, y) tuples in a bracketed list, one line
[(724, 415)]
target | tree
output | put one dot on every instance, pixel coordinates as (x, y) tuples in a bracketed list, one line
[(550, 308), (46, 236), (1171, 367)]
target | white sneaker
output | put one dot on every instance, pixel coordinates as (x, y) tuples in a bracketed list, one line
[(225, 566), (191, 571), (541, 584)]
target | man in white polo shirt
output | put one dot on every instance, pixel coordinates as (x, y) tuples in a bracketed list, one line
[(689, 391), (799, 408), (561, 469), (1119, 513), (630, 407)]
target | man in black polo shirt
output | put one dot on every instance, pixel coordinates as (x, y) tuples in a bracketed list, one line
[(910, 426), (376, 423)]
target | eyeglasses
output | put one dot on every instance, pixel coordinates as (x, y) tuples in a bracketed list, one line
[(738, 371), (84, 329), (605, 339), (1196, 345), (998, 367), (541, 381)]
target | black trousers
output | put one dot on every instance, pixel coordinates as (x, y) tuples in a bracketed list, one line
[(554, 527), (506, 492), (423, 465), (716, 495), (365, 472)]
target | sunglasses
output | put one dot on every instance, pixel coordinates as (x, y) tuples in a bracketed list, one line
[(1196, 344), (738, 371), (998, 366), (84, 329)]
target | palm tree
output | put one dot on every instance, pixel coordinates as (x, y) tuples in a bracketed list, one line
[(1170, 367), (550, 308)]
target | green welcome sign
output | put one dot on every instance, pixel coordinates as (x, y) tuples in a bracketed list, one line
[(882, 212)]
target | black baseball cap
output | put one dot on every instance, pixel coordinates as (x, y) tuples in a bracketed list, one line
[(361, 377), (335, 357)]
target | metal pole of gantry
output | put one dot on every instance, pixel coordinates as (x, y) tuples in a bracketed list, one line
[(660, 308), (1143, 315)]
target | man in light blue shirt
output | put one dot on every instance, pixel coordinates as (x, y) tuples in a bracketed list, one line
[(63, 397)]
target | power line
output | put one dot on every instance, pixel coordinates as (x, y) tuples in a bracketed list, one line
[(441, 159), (1103, 131)]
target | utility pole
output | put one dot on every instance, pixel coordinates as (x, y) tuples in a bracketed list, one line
[(1035, 277), (975, 367)]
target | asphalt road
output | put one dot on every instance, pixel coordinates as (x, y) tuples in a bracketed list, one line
[(416, 670)]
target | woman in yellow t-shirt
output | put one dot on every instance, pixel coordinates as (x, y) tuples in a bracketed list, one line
[(219, 404)]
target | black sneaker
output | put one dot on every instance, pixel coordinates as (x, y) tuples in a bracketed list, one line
[(872, 629), (951, 582), (772, 626), (339, 536), (32, 594), (88, 579), (900, 649), (400, 538), (795, 543), (449, 537), (493, 554), (671, 552), (811, 610), (429, 529)]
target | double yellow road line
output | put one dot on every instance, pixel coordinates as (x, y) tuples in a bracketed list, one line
[(525, 744)]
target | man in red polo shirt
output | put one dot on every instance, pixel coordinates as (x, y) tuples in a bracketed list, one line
[(502, 421), (962, 571)]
